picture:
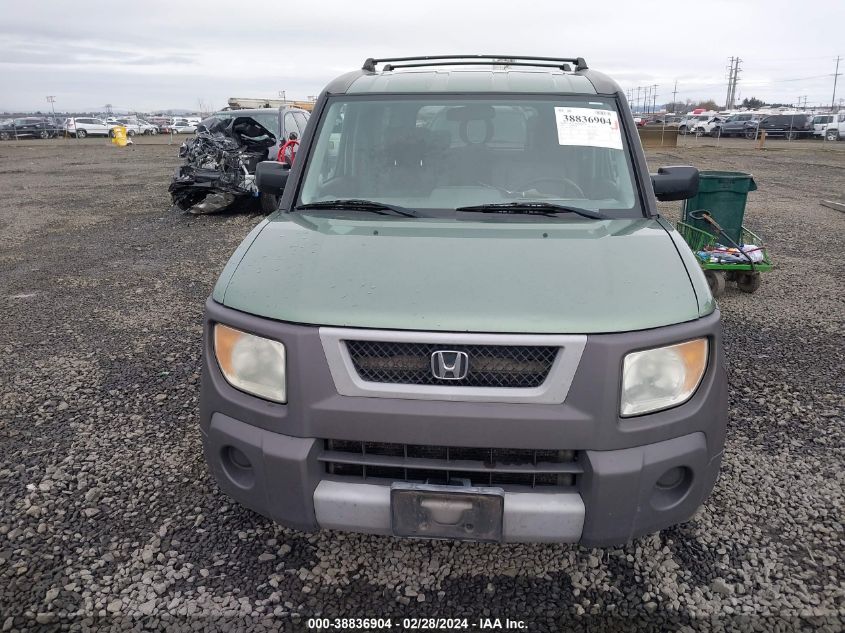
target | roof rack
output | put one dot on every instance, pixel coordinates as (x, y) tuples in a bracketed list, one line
[(473, 60)]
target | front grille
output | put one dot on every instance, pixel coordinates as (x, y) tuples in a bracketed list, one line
[(508, 366), (443, 464)]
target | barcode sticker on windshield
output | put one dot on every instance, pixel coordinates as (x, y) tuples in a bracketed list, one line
[(588, 127)]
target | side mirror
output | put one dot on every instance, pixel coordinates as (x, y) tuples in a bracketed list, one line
[(675, 183), (271, 176)]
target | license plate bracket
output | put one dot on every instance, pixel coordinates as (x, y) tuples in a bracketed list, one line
[(447, 511)]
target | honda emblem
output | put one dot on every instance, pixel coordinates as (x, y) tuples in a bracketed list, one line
[(449, 365)]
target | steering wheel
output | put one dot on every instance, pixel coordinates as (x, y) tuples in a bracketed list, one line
[(560, 180)]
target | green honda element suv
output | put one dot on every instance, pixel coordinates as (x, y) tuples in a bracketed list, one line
[(467, 319)]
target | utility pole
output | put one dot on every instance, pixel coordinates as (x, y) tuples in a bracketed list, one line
[(637, 102), (730, 84), (51, 99), (736, 79), (835, 75), (654, 99), (674, 96)]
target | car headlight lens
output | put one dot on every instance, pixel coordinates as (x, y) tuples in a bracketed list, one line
[(663, 377), (251, 363)]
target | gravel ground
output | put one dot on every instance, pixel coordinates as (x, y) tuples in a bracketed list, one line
[(108, 517)]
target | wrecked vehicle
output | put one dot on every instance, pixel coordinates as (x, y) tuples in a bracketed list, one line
[(285, 122), (220, 165)]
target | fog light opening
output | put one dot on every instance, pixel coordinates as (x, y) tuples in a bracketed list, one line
[(671, 478), (237, 466), (671, 488)]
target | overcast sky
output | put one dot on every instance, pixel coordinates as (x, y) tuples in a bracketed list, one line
[(153, 55)]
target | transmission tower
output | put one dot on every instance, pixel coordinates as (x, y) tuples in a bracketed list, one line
[(733, 76)]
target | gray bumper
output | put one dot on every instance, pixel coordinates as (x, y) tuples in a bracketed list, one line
[(616, 496)]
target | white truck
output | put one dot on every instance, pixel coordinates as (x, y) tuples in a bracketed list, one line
[(836, 129)]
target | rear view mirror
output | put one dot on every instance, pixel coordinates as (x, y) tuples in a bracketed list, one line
[(271, 176), (675, 183)]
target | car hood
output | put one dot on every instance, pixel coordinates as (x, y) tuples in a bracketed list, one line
[(577, 276)]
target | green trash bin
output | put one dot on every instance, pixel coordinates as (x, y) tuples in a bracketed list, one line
[(722, 194)]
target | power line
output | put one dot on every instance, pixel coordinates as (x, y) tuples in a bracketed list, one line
[(751, 83), (802, 78)]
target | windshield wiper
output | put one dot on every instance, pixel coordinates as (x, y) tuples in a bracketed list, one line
[(356, 204), (533, 208)]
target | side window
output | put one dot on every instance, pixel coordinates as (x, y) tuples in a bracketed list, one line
[(327, 151), (301, 121), (290, 125)]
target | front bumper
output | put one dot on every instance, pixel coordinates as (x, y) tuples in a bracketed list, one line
[(616, 496)]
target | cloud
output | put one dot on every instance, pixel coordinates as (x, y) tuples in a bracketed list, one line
[(158, 55)]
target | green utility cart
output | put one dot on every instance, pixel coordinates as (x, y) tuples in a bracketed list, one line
[(713, 227)]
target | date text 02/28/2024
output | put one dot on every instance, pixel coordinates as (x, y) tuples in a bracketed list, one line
[(416, 624)]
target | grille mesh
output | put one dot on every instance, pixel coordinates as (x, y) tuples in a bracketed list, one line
[(509, 366), (441, 464)]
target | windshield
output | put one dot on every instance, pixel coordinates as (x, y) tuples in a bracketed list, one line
[(445, 152)]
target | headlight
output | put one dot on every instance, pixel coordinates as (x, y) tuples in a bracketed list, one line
[(664, 377), (251, 363)]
